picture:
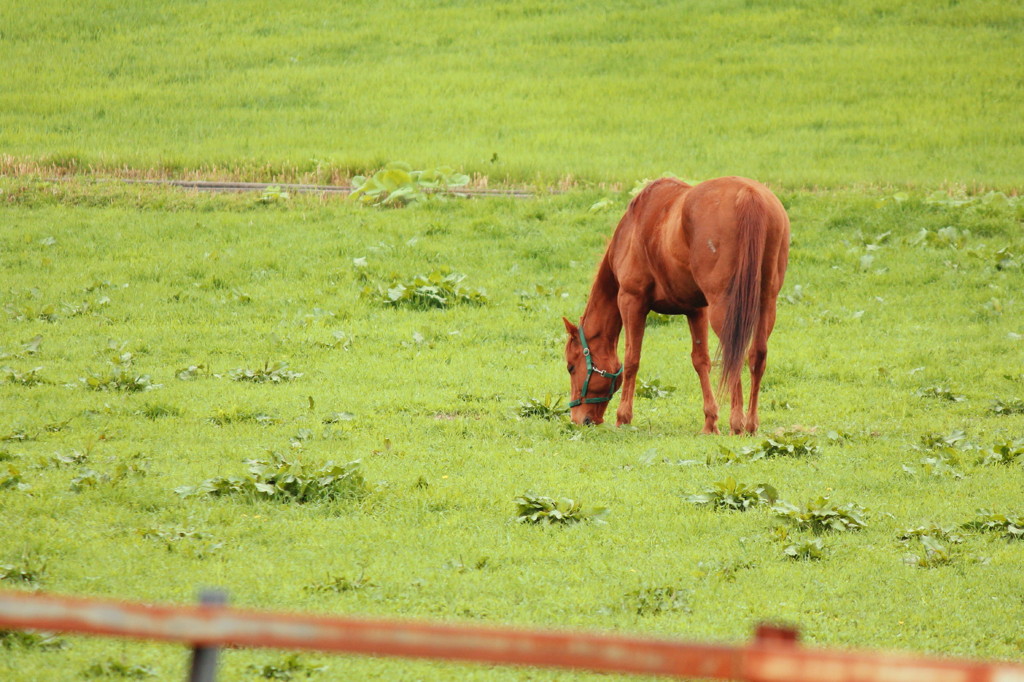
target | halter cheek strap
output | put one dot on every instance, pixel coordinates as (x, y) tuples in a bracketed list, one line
[(591, 371)]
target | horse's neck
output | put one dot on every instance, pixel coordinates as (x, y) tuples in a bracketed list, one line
[(601, 318)]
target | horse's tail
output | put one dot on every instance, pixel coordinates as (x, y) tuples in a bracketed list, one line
[(743, 301)]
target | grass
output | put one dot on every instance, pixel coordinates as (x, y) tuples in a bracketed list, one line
[(801, 94), (431, 403), (154, 341)]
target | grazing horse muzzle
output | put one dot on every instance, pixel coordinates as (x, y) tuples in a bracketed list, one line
[(592, 369)]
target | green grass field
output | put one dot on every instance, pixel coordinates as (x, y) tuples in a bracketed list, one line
[(804, 94), (900, 325), (153, 341)]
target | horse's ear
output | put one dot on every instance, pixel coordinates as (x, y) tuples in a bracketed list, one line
[(570, 327)]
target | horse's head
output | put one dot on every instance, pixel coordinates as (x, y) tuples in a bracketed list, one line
[(591, 386)]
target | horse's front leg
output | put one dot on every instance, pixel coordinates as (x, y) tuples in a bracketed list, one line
[(634, 321)]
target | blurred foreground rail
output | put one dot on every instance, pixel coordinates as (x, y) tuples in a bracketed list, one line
[(773, 655)]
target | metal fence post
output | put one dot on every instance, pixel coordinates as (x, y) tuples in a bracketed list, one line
[(204, 658)]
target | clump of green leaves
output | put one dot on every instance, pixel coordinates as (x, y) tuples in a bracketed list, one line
[(1010, 525), (787, 444), (27, 378), (69, 459), (18, 435), (56, 426), (273, 373), (939, 392), (290, 668), (944, 533), (934, 553), (339, 341), (89, 478), (397, 184), (942, 198), (119, 376), (953, 442), (156, 411), (196, 543), (192, 372), (286, 481), (442, 288), (1004, 259), (821, 515), (238, 415), (85, 307), (44, 641), (1005, 453), (726, 571), (29, 568), (653, 389), (536, 509), (30, 347), (945, 455), (730, 495), (112, 668), (549, 408), (945, 238), (528, 297), (460, 566), (339, 584), (135, 467), (273, 194), (660, 320), (1007, 406), (809, 549), (641, 184), (931, 537), (12, 479), (795, 296), (652, 601), (26, 312), (602, 205)]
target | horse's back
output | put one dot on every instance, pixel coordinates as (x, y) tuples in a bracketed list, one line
[(707, 209), (715, 204), (720, 218), (680, 245)]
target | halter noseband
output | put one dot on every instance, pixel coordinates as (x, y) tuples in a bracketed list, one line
[(591, 370)]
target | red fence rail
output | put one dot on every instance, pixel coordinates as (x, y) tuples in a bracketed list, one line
[(774, 655)]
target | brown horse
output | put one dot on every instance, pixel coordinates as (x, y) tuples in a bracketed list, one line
[(717, 252)]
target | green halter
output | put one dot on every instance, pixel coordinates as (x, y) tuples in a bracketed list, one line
[(591, 370)]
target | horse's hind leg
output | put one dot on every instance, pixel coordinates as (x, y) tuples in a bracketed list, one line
[(757, 358), (737, 419), (702, 364)]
